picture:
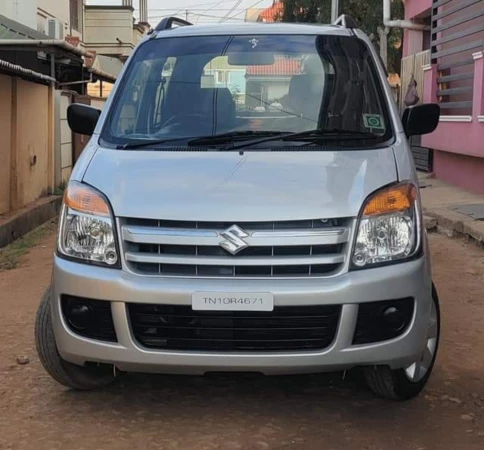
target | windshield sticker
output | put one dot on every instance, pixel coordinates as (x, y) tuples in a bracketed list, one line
[(254, 42), (374, 121)]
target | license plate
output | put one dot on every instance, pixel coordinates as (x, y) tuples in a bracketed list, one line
[(232, 301)]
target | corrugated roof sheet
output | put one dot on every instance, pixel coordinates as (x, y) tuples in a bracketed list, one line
[(281, 67), (10, 29)]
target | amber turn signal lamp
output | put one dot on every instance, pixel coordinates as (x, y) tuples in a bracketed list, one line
[(85, 199), (393, 199)]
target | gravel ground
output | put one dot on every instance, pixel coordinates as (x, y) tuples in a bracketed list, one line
[(241, 411)]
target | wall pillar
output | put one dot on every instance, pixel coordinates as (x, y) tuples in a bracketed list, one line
[(413, 42), (430, 83), (14, 172), (478, 97), (51, 147)]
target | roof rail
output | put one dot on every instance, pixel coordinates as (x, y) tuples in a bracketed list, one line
[(346, 21), (168, 22)]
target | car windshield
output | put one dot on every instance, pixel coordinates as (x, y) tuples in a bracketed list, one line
[(183, 88)]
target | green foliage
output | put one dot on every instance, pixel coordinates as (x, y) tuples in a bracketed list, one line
[(367, 13), (59, 190), (303, 10)]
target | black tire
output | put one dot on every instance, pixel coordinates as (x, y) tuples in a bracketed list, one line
[(394, 384), (75, 377)]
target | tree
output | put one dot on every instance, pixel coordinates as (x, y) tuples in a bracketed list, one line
[(367, 13), (308, 11)]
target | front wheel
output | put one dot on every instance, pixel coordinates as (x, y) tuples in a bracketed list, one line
[(75, 377), (406, 383)]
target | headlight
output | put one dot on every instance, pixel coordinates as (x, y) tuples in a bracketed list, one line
[(389, 227), (86, 230)]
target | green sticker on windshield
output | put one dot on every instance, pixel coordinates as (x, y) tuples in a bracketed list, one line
[(374, 121)]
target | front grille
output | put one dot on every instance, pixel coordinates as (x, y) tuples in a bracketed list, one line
[(278, 225), (169, 327), (305, 248)]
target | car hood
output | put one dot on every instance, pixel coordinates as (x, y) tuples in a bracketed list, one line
[(231, 187)]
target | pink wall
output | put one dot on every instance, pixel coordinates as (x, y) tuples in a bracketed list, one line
[(459, 146), (412, 42), (458, 142), (460, 170), (414, 8), (461, 138), (465, 138)]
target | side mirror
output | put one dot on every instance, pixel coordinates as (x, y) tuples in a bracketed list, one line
[(82, 119), (421, 119)]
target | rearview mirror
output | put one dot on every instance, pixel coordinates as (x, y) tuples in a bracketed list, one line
[(251, 59), (421, 119), (82, 119)]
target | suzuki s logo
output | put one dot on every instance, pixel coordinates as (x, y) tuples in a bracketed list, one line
[(234, 239)]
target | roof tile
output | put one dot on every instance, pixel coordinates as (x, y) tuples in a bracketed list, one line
[(281, 67)]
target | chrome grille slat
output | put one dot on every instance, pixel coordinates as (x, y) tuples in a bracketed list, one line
[(307, 248), (232, 260), (174, 236), (272, 249)]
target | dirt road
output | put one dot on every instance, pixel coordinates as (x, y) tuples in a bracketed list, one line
[(247, 412)]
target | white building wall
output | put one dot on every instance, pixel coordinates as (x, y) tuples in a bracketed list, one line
[(22, 11), (52, 9), (109, 31), (65, 139)]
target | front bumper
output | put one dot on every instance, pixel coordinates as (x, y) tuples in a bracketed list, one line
[(411, 279)]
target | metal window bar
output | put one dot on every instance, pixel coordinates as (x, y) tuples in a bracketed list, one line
[(455, 22), (451, 48), (454, 9)]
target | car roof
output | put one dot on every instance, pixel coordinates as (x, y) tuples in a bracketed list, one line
[(254, 29)]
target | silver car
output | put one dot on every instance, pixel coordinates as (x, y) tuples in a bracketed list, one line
[(247, 202)]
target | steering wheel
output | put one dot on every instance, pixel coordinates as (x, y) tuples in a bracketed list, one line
[(183, 116)]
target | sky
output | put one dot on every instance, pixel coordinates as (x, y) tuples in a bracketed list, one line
[(198, 11)]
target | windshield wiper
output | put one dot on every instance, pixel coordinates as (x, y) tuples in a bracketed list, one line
[(247, 135), (231, 136), (309, 135), (141, 143), (193, 141), (331, 134)]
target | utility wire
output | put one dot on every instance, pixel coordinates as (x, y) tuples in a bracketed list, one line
[(231, 11), (187, 7), (216, 5), (211, 16), (213, 7), (202, 14), (196, 9), (246, 9)]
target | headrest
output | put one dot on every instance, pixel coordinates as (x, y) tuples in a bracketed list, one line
[(221, 99), (222, 96), (306, 85)]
